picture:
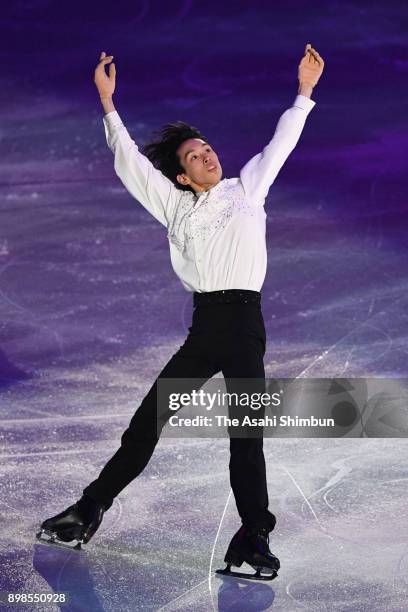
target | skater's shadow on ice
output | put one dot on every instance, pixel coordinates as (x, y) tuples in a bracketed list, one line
[(67, 571), (236, 594)]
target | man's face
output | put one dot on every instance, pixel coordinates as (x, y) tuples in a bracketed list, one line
[(202, 169)]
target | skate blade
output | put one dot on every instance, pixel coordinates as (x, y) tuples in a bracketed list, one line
[(48, 537), (268, 574)]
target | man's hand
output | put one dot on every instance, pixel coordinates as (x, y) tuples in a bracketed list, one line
[(310, 67), (104, 83)]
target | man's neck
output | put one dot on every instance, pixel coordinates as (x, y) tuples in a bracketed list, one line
[(200, 189)]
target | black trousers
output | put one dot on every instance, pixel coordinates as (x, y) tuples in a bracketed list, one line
[(227, 335)]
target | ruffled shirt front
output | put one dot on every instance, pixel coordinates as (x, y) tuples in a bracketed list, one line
[(217, 238)]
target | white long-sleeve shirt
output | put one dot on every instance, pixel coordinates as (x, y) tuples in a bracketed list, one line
[(218, 237)]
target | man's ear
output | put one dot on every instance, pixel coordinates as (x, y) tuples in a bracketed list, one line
[(183, 179)]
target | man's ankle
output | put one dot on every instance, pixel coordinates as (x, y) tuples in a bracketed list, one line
[(87, 503)]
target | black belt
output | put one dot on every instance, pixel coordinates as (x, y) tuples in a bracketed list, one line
[(227, 296)]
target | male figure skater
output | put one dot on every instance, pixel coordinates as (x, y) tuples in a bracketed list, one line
[(216, 232)]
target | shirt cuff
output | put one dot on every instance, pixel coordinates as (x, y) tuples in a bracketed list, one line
[(112, 120), (304, 103)]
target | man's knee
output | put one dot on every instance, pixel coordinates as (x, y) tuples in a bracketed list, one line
[(139, 437)]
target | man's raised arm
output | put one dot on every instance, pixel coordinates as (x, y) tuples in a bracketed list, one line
[(142, 180), (260, 172)]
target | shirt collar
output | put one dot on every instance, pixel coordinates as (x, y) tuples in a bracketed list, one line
[(204, 193)]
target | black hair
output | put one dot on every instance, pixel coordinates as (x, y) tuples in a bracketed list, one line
[(162, 151)]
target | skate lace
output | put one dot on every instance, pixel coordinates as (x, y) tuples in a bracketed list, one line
[(265, 536)]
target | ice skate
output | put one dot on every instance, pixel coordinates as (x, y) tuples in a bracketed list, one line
[(252, 547), (74, 526)]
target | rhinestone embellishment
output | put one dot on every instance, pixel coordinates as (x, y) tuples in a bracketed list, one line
[(211, 215)]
